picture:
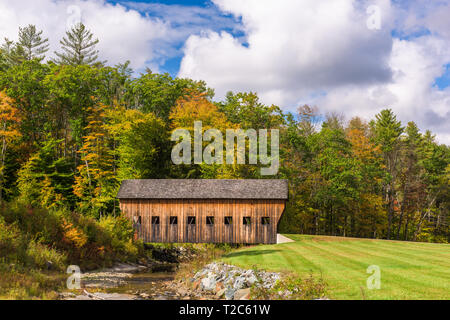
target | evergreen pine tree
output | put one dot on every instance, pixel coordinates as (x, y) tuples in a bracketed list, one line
[(12, 53), (32, 44), (78, 47)]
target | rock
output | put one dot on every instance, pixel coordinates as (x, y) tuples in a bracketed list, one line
[(144, 295), (252, 279), (181, 291), (219, 286), (209, 283), (243, 294), (220, 293), (66, 295), (196, 285), (127, 268), (218, 276), (239, 283), (49, 265), (115, 296), (229, 293)]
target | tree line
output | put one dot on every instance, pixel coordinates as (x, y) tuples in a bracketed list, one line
[(73, 127)]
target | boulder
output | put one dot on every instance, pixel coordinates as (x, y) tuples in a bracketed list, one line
[(229, 293), (220, 293), (243, 294), (208, 284)]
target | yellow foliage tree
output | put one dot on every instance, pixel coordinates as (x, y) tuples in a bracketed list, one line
[(197, 107), (95, 181)]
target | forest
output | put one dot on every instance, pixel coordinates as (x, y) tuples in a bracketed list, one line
[(74, 127)]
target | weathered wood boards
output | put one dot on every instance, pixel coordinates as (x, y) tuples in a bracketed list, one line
[(204, 211), (205, 221)]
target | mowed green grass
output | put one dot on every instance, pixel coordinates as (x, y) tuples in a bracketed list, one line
[(409, 270)]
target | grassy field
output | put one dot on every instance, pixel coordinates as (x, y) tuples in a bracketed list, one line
[(409, 270)]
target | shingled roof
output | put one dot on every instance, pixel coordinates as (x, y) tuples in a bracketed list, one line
[(204, 189)]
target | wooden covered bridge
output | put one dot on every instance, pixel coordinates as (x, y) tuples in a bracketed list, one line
[(204, 211)]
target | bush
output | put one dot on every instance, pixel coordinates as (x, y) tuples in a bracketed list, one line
[(38, 224), (292, 288), (12, 244), (34, 236), (39, 256)]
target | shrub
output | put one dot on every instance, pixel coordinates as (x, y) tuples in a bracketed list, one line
[(33, 236), (292, 288), (39, 256)]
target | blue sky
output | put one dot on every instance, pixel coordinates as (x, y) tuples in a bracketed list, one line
[(444, 81), (347, 56), (172, 63)]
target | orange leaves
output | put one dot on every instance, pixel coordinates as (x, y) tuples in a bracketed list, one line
[(198, 108), (9, 119), (73, 235), (362, 147)]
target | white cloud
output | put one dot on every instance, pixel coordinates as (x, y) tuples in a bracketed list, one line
[(124, 34), (411, 94), (293, 47), (321, 52)]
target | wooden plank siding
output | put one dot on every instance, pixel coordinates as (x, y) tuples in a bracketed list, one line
[(200, 232)]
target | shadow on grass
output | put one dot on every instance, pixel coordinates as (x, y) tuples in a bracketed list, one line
[(250, 253)]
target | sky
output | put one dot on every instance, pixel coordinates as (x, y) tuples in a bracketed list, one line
[(354, 57)]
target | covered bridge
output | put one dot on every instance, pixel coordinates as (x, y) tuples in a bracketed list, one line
[(204, 211)]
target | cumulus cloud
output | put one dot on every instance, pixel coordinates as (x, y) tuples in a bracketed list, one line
[(292, 47), (124, 34), (323, 53)]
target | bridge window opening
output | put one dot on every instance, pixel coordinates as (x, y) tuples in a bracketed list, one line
[(191, 220), (155, 220), (173, 221), (209, 221)]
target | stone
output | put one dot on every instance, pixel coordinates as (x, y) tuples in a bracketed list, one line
[(229, 293), (220, 293), (239, 283), (219, 286), (208, 284), (196, 284), (243, 294), (252, 279)]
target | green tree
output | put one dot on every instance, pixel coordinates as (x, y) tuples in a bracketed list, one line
[(78, 47), (46, 180), (32, 44), (24, 84), (158, 93), (12, 53), (386, 133), (246, 110), (141, 141)]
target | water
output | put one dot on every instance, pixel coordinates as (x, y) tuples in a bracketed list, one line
[(153, 286)]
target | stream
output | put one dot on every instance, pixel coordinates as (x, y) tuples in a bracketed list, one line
[(131, 282)]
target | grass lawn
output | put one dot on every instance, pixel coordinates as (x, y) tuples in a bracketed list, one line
[(409, 270)]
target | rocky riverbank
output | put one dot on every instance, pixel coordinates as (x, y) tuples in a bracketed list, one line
[(230, 282), (157, 280)]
